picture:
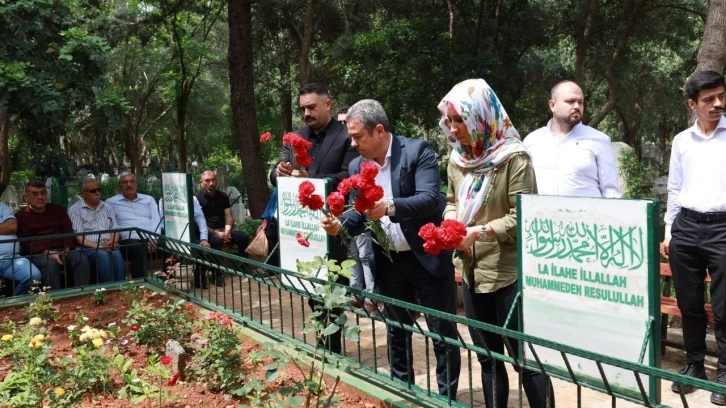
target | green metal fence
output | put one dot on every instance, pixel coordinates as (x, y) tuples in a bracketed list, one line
[(255, 294)]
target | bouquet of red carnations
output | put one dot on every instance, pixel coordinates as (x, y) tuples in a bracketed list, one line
[(300, 147), (446, 237), (368, 194)]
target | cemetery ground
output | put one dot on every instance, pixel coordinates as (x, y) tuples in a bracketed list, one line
[(83, 338), (283, 312)]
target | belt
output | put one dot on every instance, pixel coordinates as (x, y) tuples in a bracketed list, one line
[(703, 217)]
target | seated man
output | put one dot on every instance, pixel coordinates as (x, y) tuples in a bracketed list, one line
[(12, 267), (216, 207), (135, 210), (42, 218), (92, 214)]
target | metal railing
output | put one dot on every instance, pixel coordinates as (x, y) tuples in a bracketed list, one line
[(273, 301)]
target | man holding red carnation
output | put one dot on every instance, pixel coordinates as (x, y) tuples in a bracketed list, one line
[(408, 172), (328, 154)]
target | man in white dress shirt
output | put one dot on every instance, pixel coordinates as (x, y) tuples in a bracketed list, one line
[(695, 236), (570, 158)]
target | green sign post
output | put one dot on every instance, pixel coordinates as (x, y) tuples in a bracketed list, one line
[(589, 278)]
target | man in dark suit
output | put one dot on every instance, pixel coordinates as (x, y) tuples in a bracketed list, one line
[(331, 153), (409, 175)]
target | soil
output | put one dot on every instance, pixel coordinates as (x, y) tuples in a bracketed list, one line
[(189, 394)]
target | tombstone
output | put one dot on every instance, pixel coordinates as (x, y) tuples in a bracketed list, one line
[(76, 198), (105, 178), (178, 357), (239, 212), (90, 176), (660, 188), (221, 178), (10, 197), (49, 186), (618, 149)]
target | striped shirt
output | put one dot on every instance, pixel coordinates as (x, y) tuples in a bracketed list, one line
[(86, 219), (140, 213)]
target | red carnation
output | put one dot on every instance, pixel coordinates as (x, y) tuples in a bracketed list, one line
[(306, 188), (303, 160), (336, 203), (451, 233), (134, 327), (362, 203), (373, 193), (166, 360), (265, 137), (315, 202), (301, 240), (345, 186), (174, 378), (369, 170), (428, 232), (432, 247)]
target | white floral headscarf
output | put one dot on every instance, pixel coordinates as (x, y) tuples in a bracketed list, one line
[(493, 140)]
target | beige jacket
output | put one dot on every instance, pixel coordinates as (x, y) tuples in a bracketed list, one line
[(493, 262)]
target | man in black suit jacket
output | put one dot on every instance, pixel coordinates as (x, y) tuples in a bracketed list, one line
[(331, 153), (409, 175)]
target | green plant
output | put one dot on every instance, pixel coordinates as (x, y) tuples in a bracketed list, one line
[(217, 358), (135, 388), (248, 226), (88, 370), (132, 292), (154, 326), (28, 349), (41, 305), (99, 296), (638, 176)]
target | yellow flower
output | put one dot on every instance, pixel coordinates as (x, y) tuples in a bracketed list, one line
[(103, 334), (36, 321), (83, 337), (38, 337), (85, 329), (97, 342), (59, 391), (7, 337)]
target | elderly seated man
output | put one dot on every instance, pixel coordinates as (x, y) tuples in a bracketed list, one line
[(12, 267), (135, 210), (92, 214), (42, 218)]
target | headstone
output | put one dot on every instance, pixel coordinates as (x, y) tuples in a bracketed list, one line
[(660, 188), (49, 186), (105, 178), (239, 213), (76, 198), (10, 197), (178, 357), (618, 149)]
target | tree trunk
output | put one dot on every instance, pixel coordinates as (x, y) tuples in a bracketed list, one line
[(583, 33), (712, 51), (286, 108), (242, 101), (307, 39), (5, 168), (497, 25), (611, 73), (477, 29)]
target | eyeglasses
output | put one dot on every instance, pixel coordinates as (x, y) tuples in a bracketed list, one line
[(93, 190)]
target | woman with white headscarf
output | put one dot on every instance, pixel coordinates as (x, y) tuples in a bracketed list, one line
[(488, 167)]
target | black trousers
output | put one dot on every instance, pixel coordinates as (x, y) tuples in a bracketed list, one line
[(696, 246), (493, 308), (404, 279), (134, 251)]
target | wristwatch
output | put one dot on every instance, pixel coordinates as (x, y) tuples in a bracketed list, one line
[(483, 233), (390, 208)]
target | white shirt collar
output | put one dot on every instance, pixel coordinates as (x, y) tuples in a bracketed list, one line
[(572, 131), (696, 131)]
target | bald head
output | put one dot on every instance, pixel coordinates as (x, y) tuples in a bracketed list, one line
[(209, 182), (567, 104)]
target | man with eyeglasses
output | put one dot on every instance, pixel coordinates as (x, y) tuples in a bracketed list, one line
[(41, 218), (92, 214)]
